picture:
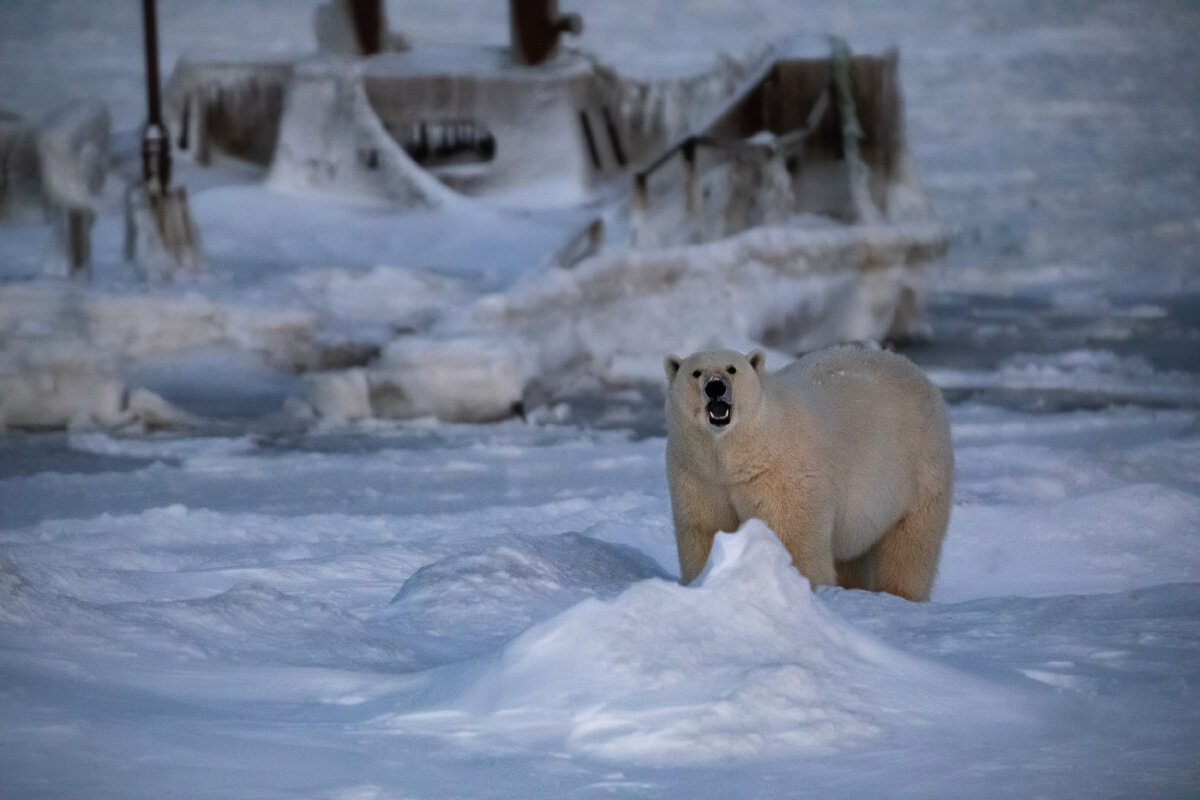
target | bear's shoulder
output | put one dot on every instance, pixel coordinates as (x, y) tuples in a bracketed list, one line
[(846, 362)]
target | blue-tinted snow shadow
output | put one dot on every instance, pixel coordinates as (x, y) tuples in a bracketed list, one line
[(476, 600)]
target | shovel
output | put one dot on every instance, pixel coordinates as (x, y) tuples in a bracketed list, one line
[(160, 236)]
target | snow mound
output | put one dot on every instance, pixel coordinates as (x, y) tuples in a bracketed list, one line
[(475, 601), (745, 664)]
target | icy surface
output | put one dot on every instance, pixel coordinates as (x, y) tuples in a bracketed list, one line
[(253, 608), (435, 610)]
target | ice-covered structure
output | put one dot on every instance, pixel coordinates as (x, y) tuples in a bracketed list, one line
[(765, 201), (568, 130), (769, 201)]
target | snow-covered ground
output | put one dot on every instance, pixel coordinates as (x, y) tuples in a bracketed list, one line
[(253, 608)]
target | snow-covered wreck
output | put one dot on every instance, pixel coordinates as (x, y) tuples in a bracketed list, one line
[(768, 202)]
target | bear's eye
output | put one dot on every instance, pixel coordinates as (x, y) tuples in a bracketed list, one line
[(731, 370), (696, 374)]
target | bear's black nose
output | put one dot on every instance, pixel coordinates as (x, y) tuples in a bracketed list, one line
[(715, 388)]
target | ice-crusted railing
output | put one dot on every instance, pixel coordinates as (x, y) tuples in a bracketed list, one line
[(229, 102)]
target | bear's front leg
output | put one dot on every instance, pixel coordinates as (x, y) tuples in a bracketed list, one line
[(802, 519), (700, 509)]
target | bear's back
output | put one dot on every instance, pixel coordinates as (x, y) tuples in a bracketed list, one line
[(868, 412), (856, 374)]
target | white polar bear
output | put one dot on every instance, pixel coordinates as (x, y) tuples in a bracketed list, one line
[(845, 454)]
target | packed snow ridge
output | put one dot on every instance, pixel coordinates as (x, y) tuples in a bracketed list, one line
[(744, 664)]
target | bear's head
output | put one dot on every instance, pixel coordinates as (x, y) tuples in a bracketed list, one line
[(713, 389)]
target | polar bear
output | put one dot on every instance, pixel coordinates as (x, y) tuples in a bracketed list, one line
[(844, 453)]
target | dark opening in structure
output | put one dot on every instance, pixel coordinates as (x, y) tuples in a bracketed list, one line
[(444, 142), (586, 124)]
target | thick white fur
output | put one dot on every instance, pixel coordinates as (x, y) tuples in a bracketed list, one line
[(845, 454)]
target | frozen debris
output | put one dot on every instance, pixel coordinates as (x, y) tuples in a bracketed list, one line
[(65, 385), (64, 351), (339, 397), (73, 152), (58, 389), (151, 411), (73, 148), (466, 379), (467, 115), (469, 379)]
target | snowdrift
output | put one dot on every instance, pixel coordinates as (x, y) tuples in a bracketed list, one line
[(745, 664)]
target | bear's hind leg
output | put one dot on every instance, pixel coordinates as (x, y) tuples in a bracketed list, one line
[(906, 557), (857, 573)]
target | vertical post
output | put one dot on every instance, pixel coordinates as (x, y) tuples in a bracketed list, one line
[(79, 242), (770, 106), (156, 145), (150, 30), (691, 202), (535, 27), (641, 197), (369, 25)]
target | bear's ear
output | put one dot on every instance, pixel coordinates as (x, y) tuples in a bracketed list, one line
[(671, 365), (757, 359)]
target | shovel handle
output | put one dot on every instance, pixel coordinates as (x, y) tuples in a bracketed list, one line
[(156, 145), (150, 27)]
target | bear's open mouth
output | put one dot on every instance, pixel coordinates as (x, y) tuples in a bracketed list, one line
[(719, 413)]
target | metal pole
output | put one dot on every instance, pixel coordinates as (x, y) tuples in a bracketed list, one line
[(156, 155), (150, 27)]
